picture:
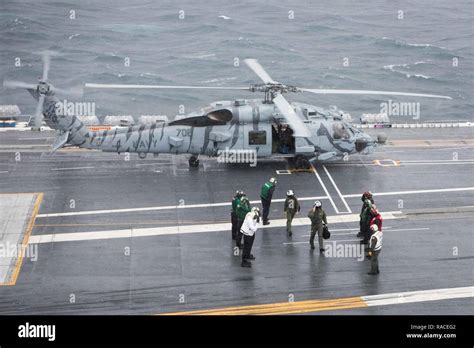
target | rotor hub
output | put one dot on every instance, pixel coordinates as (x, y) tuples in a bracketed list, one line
[(271, 90), (43, 87), (273, 87)]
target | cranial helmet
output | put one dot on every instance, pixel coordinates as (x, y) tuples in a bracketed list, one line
[(256, 210), (290, 193), (317, 204)]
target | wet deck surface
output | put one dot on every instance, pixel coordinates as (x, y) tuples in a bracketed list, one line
[(426, 246)]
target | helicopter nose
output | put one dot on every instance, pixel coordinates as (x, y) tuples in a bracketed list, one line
[(365, 144)]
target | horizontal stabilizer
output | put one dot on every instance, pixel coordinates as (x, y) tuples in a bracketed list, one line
[(60, 141)]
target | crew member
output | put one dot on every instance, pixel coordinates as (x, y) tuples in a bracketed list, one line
[(266, 196), (365, 216), (318, 220), (243, 207), (292, 207), (376, 218), (233, 213), (374, 249), (248, 229), (285, 139), (361, 234)]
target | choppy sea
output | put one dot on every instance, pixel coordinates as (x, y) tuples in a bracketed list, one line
[(426, 48)]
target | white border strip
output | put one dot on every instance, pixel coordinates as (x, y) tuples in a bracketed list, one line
[(185, 229), (418, 296), (337, 190), (325, 189), (207, 205)]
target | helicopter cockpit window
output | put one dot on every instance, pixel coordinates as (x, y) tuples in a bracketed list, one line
[(257, 137), (341, 131)]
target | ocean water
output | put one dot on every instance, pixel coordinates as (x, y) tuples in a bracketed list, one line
[(302, 43)]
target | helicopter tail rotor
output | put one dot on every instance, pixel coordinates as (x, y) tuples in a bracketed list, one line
[(41, 89)]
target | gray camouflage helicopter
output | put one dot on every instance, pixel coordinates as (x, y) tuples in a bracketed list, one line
[(270, 127)]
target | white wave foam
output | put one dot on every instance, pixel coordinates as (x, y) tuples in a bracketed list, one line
[(149, 74), (392, 67), (200, 56), (405, 43), (419, 76)]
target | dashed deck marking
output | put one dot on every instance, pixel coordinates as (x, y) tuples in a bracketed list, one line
[(76, 168)]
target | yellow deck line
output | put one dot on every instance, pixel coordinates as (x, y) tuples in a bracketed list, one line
[(26, 237), (283, 307)]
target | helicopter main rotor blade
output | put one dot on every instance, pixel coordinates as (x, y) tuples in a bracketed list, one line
[(366, 92), (255, 66), (114, 86), (18, 84), (46, 64), (297, 125), (39, 111), (76, 92)]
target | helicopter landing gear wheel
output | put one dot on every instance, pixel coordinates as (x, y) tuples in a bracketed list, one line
[(193, 162), (302, 162)]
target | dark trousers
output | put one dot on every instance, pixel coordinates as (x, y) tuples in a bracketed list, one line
[(266, 208), (239, 234), (374, 262), (289, 218), (248, 243), (318, 229), (233, 220), (365, 229)]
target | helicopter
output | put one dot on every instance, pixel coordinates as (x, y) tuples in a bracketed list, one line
[(270, 127)]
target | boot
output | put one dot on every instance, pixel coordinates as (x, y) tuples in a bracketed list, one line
[(245, 263)]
